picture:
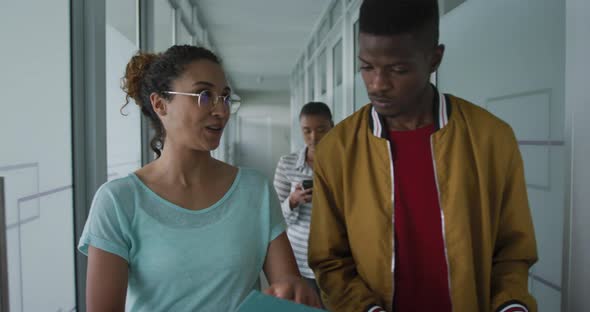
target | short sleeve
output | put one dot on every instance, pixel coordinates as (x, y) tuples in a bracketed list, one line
[(107, 226), (277, 221)]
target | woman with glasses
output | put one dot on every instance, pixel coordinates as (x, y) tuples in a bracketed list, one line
[(186, 232)]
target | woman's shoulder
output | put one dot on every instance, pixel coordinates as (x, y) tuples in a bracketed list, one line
[(115, 199), (252, 176), (118, 188)]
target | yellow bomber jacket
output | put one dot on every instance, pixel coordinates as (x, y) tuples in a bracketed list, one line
[(488, 232)]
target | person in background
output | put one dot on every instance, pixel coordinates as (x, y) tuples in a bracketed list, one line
[(293, 178), (420, 201), (186, 232)]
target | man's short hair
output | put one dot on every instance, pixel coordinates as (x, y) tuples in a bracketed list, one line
[(316, 109), (396, 17)]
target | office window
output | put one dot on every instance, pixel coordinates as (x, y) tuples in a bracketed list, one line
[(337, 99), (310, 83), (323, 72), (335, 12), (311, 48), (324, 29), (337, 57), (360, 92)]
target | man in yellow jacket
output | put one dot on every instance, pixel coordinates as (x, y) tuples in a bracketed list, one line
[(420, 202)]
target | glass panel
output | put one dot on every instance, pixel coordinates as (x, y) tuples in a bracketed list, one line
[(183, 36), (301, 90), (323, 72), (337, 57), (296, 136), (36, 157), (356, 46), (337, 102), (311, 48), (302, 65), (324, 29), (120, 15), (530, 98), (336, 12), (360, 92), (310, 83), (3, 258), (163, 19), (123, 126), (231, 139)]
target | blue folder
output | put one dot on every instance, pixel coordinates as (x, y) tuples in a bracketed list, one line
[(259, 302)]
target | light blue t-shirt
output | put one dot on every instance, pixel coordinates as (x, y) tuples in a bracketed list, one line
[(180, 259)]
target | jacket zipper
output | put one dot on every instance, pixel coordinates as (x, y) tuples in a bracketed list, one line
[(392, 221), (442, 219)]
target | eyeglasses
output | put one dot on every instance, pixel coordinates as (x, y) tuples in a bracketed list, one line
[(206, 99)]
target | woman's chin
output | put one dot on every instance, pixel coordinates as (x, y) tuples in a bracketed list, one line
[(213, 146), (208, 146)]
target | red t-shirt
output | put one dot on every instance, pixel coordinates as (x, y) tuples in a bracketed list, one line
[(421, 275)]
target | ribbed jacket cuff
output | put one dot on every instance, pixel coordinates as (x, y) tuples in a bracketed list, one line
[(512, 306), (375, 308)]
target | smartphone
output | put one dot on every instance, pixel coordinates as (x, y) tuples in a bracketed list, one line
[(307, 184)]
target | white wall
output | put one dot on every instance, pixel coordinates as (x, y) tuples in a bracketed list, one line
[(509, 57), (263, 130), (36, 153), (578, 121)]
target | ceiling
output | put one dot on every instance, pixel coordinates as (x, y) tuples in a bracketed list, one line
[(259, 41)]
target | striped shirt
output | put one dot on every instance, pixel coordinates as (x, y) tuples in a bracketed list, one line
[(292, 170)]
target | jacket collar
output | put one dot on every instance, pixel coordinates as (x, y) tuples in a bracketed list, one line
[(442, 113)]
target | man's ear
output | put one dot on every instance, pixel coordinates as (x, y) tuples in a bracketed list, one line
[(437, 57), (158, 104)]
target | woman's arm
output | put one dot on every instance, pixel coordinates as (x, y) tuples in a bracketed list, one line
[(283, 276), (106, 281)]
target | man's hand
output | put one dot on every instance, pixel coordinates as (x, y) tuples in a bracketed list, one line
[(299, 196)]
